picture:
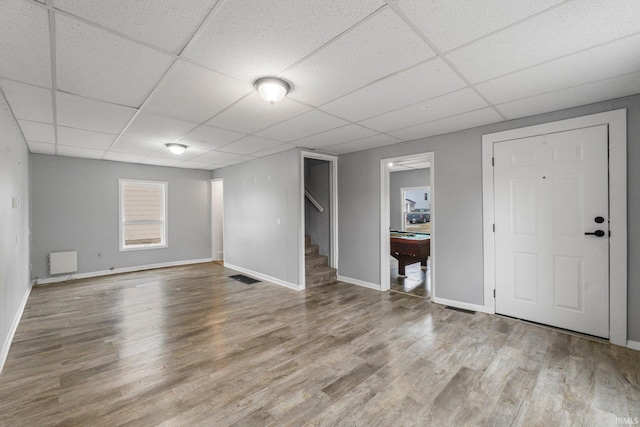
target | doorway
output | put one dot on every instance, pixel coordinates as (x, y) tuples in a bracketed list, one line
[(319, 224), (403, 272), (217, 220), (540, 207)]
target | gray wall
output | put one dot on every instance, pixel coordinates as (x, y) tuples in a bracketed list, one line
[(397, 181), (457, 213), (75, 207), (318, 224), (257, 195), (14, 223)]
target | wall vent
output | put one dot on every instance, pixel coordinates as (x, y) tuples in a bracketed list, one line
[(63, 262)]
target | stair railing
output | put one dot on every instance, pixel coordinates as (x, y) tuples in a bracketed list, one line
[(313, 200)]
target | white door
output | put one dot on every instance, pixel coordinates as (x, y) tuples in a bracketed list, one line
[(549, 191)]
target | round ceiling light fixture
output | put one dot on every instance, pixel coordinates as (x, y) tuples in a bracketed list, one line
[(176, 149), (272, 89)]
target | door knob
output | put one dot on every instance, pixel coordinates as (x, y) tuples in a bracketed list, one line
[(599, 219), (597, 233)]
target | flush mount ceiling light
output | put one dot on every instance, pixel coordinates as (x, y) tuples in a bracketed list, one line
[(176, 149), (272, 89)]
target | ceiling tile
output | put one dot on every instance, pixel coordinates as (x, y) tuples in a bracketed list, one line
[(123, 157), (303, 125), (28, 102), (235, 161), (249, 145), (450, 124), (85, 153), (143, 147), (158, 128), (447, 105), (577, 24), (194, 165), (84, 113), (380, 46), (252, 39), (609, 60), (41, 147), (335, 136), (215, 157), (274, 150), (25, 47), (362, 144), (37, 132), (452, 23), (84, 138), (164, 23), (100, 65), (405, 88), (252, 114), (195, 94), (160, 161), (580, 95), (209, 137)]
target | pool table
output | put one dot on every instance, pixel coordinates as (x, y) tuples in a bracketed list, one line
[(409, 248)]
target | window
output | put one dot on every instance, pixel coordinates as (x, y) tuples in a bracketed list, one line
[(143, 214)]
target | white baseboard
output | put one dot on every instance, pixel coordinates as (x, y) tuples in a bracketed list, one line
[(633, 345), (464, 305), (14, 326), (66, 277), (359, 282), (265, 277)]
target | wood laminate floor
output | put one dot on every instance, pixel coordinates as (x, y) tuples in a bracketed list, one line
[(416, 283), (188, 346)]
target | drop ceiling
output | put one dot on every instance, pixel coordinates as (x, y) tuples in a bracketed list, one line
[(118, 80)]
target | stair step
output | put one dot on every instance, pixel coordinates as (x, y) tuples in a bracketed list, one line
[(307, 240), (312, 261), (311, 250), (321, 276)]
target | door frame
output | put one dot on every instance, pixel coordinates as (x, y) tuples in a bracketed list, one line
[(333, 211), (617, 126), (385, 218), (213, 219)]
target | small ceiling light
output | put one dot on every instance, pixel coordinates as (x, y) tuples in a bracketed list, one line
[(177, 149), (272, 89)]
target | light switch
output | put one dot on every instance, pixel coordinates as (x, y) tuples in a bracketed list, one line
[(14, 202)]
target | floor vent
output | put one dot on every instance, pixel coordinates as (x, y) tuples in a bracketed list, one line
[(461, 310), (244, 279)]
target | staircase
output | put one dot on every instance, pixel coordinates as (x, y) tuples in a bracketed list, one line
[(316, 266)]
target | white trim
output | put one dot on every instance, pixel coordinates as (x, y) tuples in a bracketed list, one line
[(464, 305), (633, 345), (214, 253), (265, 277), (385, 221), (333, 210), (14, 326), (67, 277), (617, 125), (358, 282)]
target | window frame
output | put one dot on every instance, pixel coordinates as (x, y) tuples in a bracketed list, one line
[(164, 186)]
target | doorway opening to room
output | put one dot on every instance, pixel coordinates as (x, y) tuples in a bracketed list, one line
[(319, 264), (217, 220), (406, 233)]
